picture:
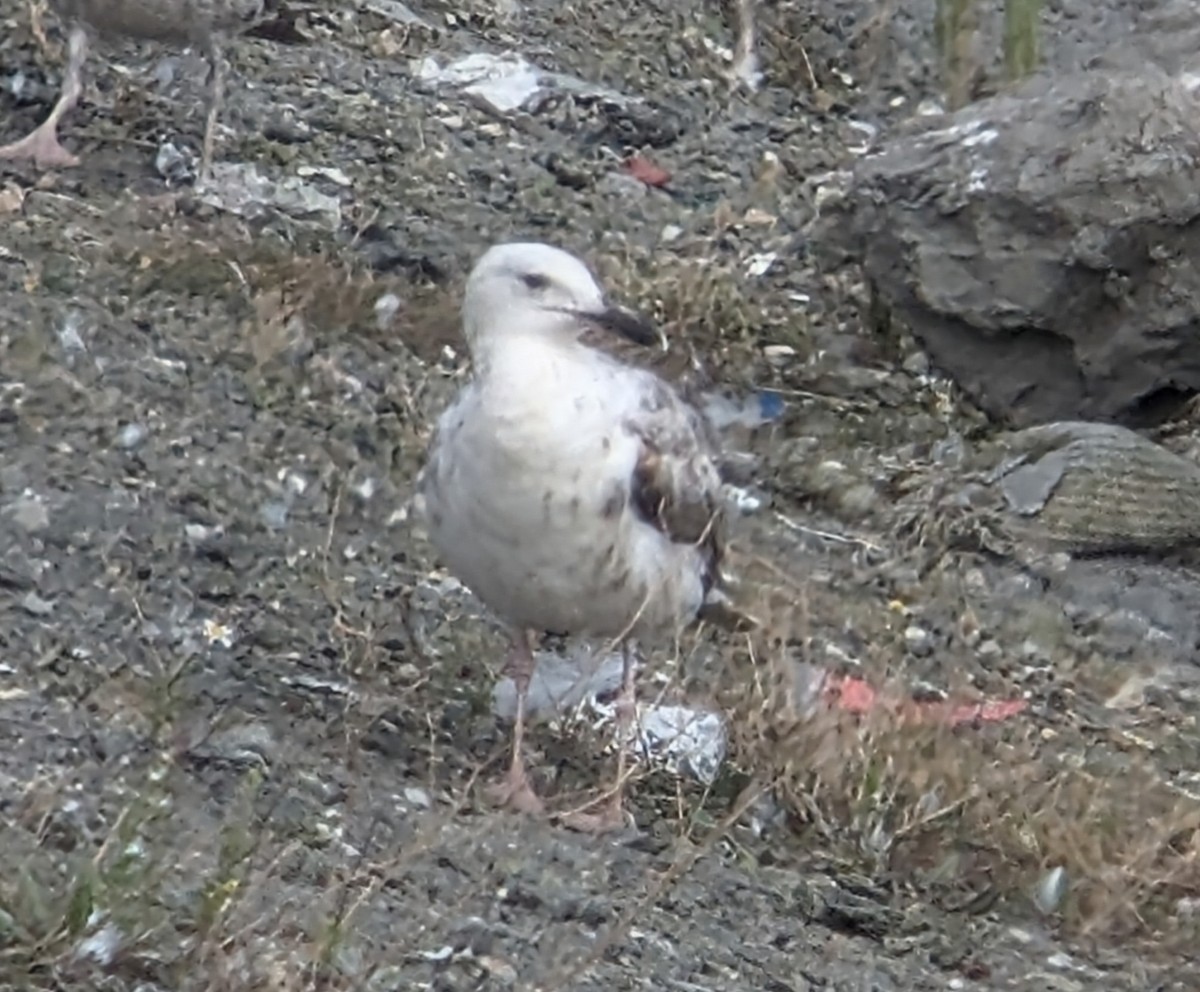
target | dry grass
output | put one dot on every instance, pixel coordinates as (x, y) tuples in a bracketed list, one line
[(960, 40), (971, 817), (714, 318), (332, 294)]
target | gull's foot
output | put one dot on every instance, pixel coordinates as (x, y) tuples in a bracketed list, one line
[(515, 792), (607, 815), (42, 148), (745, 72), (37, 26)]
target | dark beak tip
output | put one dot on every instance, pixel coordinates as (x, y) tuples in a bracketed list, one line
[(629, 325)]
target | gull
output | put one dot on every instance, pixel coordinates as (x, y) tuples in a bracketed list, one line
[(571, 492), (204, 24)]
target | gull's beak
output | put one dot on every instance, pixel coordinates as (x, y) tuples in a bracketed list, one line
[(627, 324)]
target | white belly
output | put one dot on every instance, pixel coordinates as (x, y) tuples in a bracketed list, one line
[(534, 519)]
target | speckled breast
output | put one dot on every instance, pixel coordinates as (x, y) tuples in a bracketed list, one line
[(537, 558)]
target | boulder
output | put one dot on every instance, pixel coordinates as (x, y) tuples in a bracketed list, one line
[(1042, 245)]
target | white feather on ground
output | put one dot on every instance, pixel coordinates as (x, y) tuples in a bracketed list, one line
[(569, 491)]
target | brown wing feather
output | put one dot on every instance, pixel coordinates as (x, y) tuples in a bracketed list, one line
[(676, 486), (679, 365)]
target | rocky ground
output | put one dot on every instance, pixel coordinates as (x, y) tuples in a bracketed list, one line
[(244, 714)]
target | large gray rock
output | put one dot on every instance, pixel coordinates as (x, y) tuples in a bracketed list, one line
[(1043, 245)]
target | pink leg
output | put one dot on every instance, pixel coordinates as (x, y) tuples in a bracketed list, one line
[(610, 809), (515, 790), (216, 96), (744, 69), (41, 144), (37, 26)]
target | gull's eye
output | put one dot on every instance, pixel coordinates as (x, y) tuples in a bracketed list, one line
[(535, 281)]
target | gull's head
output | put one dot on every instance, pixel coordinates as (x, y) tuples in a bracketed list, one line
[(527, 288)]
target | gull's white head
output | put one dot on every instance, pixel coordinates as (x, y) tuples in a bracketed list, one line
[(531, 288)]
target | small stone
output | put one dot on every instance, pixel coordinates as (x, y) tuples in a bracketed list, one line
[(857, 501), (199, 533), (365, 489), (918, 640), (500, 970), (1048, 895), (174, 164), (30, 514), (34, 605), (1187, 908), (245, 744), (1030, 650), (779, 354), (390, 978), (130, 436), (443, 953), (621, 184), (68, 334), (1062, 960), (294, 483), (274, 514), (917, 364), (474, 935), (101, 946), (418, 797), (386, 308)]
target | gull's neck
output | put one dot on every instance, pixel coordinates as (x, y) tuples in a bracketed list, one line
[(538, 338)]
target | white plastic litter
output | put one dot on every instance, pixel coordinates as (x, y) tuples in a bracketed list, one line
[(240, 189), (560, 684), (507, 82), (689, 741)]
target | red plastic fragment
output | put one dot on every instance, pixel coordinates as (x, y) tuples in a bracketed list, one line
[(992, 711), (853, 695), (643, 170)]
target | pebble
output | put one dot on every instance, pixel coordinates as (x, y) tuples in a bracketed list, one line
[(386, 308), (1188, 907), (274, 514), (30, 514), (917, 364), (1062, 960), (102, 946), (68, 334), (390, 978), (34, 605), (130, 436), (418, 797), (1048, 895), (1030, 650), (918, 640)]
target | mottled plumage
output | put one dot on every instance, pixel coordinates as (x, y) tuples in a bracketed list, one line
[(174, 22), (200, 24), (571, 492)]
